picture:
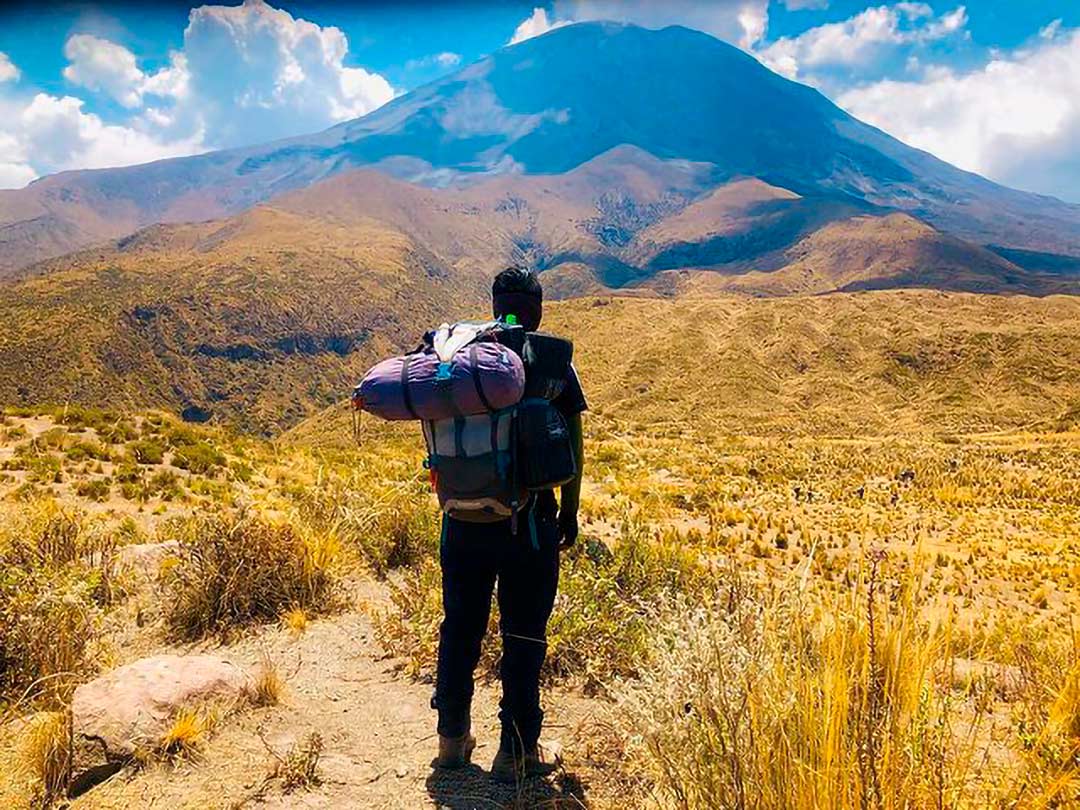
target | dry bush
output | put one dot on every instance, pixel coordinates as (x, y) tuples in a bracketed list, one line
[(298, 769), (57, 576), (409, 630), (269, 686), (35, 759), (386, 523), (234, 569), (768, 700), (603, 619)]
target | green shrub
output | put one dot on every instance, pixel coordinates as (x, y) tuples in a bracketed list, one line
[(242, 471), (51, 439), (166, 485), (79, 418), (85, 449), (182, 436), (118, 432), (94, 489), (147, 451), (199, 458), (14, 433)]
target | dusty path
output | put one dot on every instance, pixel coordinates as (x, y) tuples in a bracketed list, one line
[(378, 734)]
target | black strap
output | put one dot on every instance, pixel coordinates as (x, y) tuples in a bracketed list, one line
[(405, 393), (459, 432), (476, 378)]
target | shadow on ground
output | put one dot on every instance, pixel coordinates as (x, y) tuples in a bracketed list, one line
[(472, 788)]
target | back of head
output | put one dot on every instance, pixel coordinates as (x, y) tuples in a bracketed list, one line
[(517, 292)]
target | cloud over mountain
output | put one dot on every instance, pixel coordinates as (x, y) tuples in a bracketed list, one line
[(741, 22), (861, 38), (245, 74), (1016, 119)]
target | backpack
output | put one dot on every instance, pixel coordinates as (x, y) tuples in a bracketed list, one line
[(472, 457), (488, 445)]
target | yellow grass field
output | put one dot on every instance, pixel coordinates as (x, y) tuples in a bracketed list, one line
[(830, 558)]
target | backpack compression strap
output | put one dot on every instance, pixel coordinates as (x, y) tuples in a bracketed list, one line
[(405, 393), (476, 378)]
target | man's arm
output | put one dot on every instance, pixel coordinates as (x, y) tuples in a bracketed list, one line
[(570, 492)]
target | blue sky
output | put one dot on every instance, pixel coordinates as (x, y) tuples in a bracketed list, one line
[(991, 85)]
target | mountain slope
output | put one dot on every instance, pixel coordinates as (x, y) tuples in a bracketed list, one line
[(262, 318), (870, 253), (545, 107), (892, 363), (257, 320)]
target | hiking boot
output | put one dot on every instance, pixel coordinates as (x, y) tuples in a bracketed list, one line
[(454, 752), (541, 761)]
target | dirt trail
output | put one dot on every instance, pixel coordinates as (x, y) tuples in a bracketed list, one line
[(378, 735)]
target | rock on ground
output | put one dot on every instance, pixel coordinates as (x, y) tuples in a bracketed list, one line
[(131, 708)]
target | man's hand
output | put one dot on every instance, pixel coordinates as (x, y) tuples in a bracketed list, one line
[(568, 528)]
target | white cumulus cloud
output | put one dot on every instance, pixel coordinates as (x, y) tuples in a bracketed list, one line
[(101, 65), (57, 134), (8, 71), (245, 74), (256, 72), (860, 39), (534, 25), (1016, 119)]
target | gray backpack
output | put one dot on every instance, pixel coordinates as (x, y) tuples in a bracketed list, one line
[(474, 465)]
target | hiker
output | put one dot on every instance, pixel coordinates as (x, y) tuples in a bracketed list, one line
[(521, 555)]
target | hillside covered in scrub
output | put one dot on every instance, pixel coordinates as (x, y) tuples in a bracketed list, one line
[(866, 362)]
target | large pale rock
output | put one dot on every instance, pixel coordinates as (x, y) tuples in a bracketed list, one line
[(131, 708)]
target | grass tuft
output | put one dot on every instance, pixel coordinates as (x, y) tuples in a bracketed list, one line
[(235, 569)]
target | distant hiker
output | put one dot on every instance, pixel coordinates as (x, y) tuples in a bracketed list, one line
[(500, 404)]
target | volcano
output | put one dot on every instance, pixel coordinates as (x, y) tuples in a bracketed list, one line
[(691, 114)]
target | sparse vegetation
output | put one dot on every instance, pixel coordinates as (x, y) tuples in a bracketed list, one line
[(299, 768), (56, 578), (720, 592)]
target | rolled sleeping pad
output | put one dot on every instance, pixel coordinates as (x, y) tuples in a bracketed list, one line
[(483, 376)]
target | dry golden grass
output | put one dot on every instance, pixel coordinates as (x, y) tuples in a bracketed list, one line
[(57, 576), (295, 621), (777, 700), (236, 569), (188, 732), (269, 687), (721, 589)]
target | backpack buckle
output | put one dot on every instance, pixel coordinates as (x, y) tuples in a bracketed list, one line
[(443, 371)]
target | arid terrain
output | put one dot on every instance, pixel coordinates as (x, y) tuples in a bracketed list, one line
[(845, 525)]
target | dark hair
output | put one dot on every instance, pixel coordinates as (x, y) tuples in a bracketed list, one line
[(517, 280)]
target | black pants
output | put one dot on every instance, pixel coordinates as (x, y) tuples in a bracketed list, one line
[(526, 565)]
